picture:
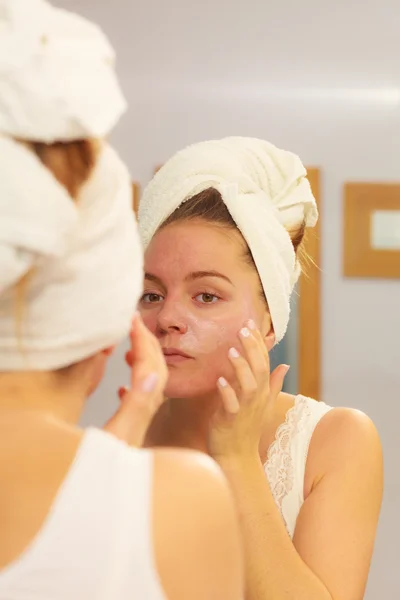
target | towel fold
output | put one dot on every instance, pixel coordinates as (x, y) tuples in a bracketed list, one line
[(266, 192), (57, 77), (84, 259)]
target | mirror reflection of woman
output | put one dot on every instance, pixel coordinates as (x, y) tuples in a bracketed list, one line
[(223, 224), (84, 516)]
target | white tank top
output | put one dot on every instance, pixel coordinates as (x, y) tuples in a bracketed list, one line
[(287, 456), (96, 543)]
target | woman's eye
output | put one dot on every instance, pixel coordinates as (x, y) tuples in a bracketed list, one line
[(207, 298), (151, 298)]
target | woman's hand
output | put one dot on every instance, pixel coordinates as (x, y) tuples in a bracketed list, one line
[(238, 425), (142, 400)]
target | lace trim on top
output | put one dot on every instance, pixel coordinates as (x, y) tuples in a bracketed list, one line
[(279, 466)]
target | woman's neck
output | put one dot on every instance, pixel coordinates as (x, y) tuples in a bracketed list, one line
[(38, 393), (183, 422)]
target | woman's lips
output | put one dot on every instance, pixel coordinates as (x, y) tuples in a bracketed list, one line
[(173, 356)]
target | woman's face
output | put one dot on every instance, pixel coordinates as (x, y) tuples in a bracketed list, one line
[(198, 293)]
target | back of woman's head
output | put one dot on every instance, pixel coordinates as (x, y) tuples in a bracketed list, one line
[(67, 233), (71, 163)]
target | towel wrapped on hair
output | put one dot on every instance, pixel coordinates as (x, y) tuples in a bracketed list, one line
[(267, 193)]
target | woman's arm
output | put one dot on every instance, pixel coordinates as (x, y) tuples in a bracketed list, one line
[(196, 532), (330, 555)]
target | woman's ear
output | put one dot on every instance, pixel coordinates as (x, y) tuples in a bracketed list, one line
[(267, 331), (270, 339)]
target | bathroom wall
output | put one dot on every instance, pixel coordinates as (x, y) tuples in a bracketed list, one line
[(319, 78)]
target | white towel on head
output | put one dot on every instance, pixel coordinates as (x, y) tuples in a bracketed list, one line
[(57, 78), (266, 192), (85, 260)]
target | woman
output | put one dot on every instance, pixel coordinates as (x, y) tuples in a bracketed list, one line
[(82, 514), (222, 223)]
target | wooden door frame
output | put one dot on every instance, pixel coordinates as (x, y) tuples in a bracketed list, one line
[(309, 304), (135, 196)]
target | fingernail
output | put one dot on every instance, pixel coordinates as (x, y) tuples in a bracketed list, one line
[(287, 367), (222, 382), (150, 382), (251, 324), (233, 353), (244, 332)]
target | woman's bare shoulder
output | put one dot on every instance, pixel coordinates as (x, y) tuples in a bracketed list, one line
[(343, 436), (196, 530)]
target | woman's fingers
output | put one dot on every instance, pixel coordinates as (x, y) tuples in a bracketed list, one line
[(149, 372), (252, 369), (256, 349), (137, 407), (277, 379), (266, 344), (148, 378), (141, 341), (243, 374), (229, 398), (255, 352), (145, 355)]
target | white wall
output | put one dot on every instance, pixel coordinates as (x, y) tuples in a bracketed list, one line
[(319, 78)]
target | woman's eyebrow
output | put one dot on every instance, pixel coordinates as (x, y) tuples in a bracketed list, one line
[(154, 279), (200, 274)]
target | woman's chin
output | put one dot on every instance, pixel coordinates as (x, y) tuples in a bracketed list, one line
[(188, 387)]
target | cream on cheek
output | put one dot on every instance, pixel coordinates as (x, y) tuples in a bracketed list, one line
[(206, 335), (203, 335)]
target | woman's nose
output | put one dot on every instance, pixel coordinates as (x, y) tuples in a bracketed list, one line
[(171, 319)]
